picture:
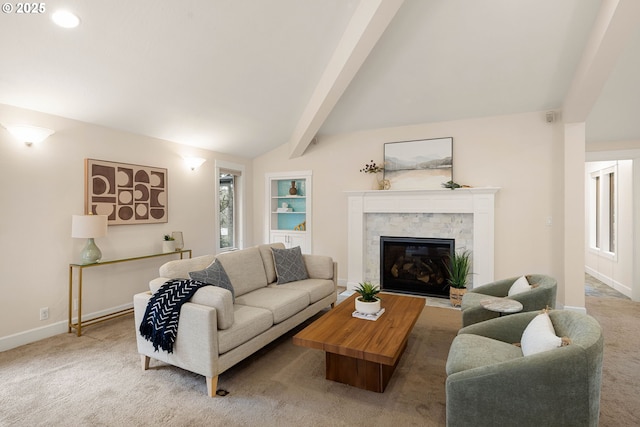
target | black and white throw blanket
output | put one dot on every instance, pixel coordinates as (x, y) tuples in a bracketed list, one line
[(160, 323)]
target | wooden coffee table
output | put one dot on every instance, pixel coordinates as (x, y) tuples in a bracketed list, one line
[(363, 353)]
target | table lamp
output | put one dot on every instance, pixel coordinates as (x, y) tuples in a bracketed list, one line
[(89, 227)]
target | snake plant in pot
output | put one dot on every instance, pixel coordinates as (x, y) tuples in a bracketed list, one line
[(459, 270), (368, 301)]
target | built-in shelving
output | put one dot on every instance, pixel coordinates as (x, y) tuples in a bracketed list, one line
[(289, 215)]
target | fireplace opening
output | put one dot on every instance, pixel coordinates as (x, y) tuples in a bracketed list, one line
[(415, 265)]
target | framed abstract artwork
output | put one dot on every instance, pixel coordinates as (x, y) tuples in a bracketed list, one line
[(423, 164), (125, 193)]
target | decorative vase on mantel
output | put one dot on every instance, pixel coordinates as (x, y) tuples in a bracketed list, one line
[(381, 183)]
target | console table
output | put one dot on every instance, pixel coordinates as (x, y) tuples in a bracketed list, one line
[(80, 267)]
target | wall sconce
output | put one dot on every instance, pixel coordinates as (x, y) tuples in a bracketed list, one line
[(29, 134), (194, 162)]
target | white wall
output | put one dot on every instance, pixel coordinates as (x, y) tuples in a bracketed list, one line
[(616, 271), (43, 185), (520, 153)]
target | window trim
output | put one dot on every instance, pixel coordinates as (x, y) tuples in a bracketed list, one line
[(601, 206), (240, 192)]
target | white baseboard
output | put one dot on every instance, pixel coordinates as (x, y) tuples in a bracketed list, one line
[(620, 287), (48, 331)]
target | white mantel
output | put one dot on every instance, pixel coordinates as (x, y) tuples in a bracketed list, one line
[(478, 201)]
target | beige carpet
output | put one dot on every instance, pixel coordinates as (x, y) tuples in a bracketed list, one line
[(96, 380)]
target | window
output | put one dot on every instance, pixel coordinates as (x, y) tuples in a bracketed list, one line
[(229, 202), (602, 209), (227, 211)]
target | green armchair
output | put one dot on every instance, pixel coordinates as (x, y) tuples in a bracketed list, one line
[(543, 295), (490, 383)]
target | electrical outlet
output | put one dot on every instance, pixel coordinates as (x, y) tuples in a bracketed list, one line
[(44, 313)]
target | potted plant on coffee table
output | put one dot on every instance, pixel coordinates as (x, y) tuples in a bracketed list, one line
[(368, 301), (458, 273)]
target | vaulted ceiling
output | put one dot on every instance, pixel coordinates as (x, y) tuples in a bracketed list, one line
[(245, 76)]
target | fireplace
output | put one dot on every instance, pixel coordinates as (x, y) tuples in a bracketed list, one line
[(413, 211), (415, 265)]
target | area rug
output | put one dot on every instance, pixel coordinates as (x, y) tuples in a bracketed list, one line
[(96, 380)]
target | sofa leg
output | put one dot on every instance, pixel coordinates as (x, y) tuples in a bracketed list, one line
[(145, 362), (212, 385)]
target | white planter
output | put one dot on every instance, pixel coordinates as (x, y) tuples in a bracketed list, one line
[(367, 307), (168, 246)]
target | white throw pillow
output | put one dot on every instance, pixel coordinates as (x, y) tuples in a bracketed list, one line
[(539, 336), (520, 285)]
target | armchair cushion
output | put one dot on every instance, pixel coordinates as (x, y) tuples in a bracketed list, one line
[(519, 286), (539, 336), (486, 351)]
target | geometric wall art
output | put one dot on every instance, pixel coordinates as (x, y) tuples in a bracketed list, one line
[(125, 193)]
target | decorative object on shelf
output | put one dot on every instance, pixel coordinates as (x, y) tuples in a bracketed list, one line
[(168, 244), (125, 193), (372, 168), (420, 164), (458, 274), (301, 227), (89, 227), (177, 236), (375, 169), (453, 185), (368, 301), (293, 190)]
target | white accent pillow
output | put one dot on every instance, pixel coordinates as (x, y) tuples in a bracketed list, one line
[(539, 336), (519, 286)]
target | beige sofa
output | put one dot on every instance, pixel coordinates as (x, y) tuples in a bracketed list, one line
[(214, 331)]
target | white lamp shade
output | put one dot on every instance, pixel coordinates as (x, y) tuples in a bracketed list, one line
[(88, 226), (29, 134)]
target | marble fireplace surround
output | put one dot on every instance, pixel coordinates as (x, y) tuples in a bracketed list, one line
[(480, 202)]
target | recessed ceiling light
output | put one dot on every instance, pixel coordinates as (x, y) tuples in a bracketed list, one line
[(65, 19)]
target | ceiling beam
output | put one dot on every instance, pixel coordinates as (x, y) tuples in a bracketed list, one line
[(365, 28), (616, 22)]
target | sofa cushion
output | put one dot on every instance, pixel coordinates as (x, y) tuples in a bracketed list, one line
[(283, 303), (180, 268), (249, 322), (470, 351), (539, 336), (520, 285), (267, 259), (211, 296), (214, 275), (316, 288), (245, 270), (318, 266), (289, 265)]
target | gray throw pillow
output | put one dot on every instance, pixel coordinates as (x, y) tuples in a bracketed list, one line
[(214, 275), (289, 265)]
